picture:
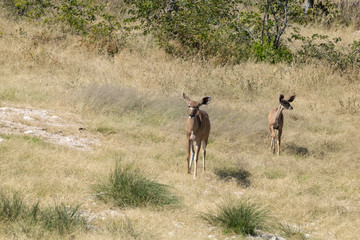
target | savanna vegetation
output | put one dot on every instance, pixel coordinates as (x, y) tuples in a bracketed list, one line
[(119, 69)]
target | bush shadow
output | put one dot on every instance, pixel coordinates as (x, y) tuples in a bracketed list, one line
[(293, 149), (242, 176)]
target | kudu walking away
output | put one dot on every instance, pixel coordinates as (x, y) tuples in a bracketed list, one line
[(276, 120), (197, 128)]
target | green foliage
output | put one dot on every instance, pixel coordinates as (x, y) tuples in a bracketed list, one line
[(325, 11), (240, 217), (126, 187), (187, 28), (29, 8), (221, 30), (218, 28), (88, 18), (266, 52), (320, 47), (78, 14)]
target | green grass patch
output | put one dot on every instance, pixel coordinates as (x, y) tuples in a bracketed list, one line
[(272, 173), (62, 219), (9, 94), (59, 219), (292, 233), (240, 217), (13, 207), (127, 187), (124, 228)]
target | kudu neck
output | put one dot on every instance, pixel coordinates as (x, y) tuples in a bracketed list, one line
[(278, 112), (195, 122)]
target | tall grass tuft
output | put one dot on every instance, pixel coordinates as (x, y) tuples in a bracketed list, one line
[(349, 12), (60, 218), (292, 233), (63, 219), (12, 207), (240, 217), (127, 187)]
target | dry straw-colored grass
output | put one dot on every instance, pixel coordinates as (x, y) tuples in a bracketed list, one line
[(133, 104)]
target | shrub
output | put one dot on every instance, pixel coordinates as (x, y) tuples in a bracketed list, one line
[(320, 47), (266, 52), (126, 187), (240, 217), (29, 8), (88, 18)]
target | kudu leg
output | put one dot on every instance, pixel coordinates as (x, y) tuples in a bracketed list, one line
[(191, 154), (197, 149), (272, 146), (188, 155), (279, 141), (204, 152)]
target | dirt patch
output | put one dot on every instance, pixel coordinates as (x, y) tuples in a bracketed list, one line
[(47, 126)]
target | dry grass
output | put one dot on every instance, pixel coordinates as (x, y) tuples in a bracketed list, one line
[(133, 103)]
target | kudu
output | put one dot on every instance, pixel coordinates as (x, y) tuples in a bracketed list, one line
[(197, 128), (276, 120)]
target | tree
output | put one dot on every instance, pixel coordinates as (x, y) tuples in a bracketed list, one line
[(307, 5)]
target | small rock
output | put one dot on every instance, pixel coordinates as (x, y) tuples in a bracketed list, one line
[(28, 118), (29, 132)]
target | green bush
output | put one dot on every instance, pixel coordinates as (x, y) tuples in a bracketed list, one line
[(29, 8), (240, 217), (320, 47), (266, 52), (127, 187)]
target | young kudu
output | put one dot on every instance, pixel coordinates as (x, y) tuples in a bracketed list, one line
[(276, 120), (197, 128)]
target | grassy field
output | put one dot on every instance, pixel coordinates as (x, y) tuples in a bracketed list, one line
[(133, 105)]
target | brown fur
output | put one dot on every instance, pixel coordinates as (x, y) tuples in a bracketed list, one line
[(276, 120), (197, 129)]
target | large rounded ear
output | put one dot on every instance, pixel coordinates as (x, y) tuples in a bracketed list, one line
[(205, 101), (281, 97), (291, 98), (187, 99)]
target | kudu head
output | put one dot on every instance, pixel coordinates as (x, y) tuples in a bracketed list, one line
[(285, 104), (194, 106), (193, 123)]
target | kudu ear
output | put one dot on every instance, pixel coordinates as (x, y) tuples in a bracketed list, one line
[(281, 97), (291, 98), (187, 99), (205, 101)]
